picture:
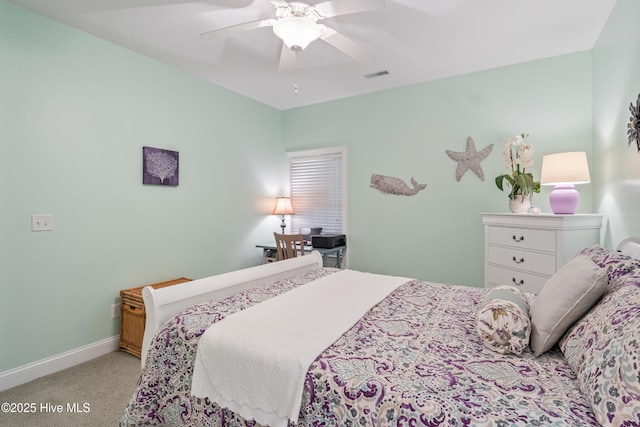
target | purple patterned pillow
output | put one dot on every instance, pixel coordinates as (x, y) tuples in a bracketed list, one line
[(617, 265), (603, 347)]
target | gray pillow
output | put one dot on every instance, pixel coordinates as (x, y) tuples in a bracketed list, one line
[(564, 299)]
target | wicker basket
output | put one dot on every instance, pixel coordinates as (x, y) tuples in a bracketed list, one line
[(133, 316)]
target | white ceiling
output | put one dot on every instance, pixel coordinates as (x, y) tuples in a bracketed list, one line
[(414, 40)]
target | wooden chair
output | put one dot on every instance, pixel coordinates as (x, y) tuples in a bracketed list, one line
[(289, 245)]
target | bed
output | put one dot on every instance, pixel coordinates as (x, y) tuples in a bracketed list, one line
[(428, 354)]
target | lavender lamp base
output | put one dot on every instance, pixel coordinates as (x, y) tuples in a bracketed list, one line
[(564, 199)]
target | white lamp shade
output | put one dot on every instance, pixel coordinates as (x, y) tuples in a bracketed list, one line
[(283, 206), (565, 168), (297, 32)]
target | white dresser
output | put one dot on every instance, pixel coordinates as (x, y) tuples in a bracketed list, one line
[(525, 250)]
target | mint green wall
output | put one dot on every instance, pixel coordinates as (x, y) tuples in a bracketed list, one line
[(616, 76), (437, 235), (75, 112)]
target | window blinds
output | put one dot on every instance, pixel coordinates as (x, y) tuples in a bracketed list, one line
[(316, 192)]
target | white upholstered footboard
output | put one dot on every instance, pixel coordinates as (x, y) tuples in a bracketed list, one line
[(164, 303)]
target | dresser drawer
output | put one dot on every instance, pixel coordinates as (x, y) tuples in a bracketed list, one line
[(536, 262), (541, 240), (524, 281)]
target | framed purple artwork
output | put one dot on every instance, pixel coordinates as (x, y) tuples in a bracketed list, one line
[(160, 167)]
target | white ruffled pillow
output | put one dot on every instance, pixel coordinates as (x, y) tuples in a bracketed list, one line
[(503, 320)]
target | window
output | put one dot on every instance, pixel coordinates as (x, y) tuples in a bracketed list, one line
[(318, 189)]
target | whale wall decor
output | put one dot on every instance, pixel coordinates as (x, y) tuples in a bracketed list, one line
[(396, 186)]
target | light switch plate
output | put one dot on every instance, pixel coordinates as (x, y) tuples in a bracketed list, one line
[(41, 222)]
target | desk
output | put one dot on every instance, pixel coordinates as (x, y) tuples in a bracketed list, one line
[(269, 250)]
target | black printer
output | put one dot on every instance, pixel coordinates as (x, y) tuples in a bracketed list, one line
[(328, 241)]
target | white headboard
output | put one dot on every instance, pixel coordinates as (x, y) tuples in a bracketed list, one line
[(630, 246), (164, 303)]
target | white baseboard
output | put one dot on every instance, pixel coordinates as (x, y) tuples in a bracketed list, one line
[(24, 374)]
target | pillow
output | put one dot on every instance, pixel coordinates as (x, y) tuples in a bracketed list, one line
[(566, 297), (503, 320), (617, 264), (603, 349)]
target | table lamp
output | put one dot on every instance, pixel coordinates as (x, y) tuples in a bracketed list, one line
[(564, 170), (283, 207)]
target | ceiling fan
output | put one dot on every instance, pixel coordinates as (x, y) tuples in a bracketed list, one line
[(296, 23)]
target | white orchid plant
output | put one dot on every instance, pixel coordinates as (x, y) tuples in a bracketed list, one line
[(518, 156)]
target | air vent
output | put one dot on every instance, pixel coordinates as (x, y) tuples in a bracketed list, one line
[(378, 74)]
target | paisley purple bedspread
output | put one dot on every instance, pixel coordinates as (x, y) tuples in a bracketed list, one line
[(414, 360)]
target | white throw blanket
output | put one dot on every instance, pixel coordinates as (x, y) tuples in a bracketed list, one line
[(254, 362)]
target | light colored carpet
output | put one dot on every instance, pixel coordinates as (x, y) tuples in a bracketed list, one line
[(93, 394)]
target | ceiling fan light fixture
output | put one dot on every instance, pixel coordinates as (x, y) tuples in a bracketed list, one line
[(297, 32)]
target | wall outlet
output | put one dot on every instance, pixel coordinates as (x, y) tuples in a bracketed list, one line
[(115, 311)]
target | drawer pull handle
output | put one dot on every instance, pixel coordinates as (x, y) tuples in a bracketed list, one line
[(518, 261), (517, 283), (517, 239)]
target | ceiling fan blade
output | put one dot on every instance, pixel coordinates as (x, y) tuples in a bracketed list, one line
[(331, 8), (279, 3), (227, 31), (287, 59), (346, 45)]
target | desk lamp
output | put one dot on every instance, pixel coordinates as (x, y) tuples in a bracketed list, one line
[(283, 207), (564, 170)]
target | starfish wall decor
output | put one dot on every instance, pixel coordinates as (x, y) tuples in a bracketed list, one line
[(470, 159)]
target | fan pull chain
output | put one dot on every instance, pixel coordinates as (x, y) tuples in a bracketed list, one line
[(295, 74)]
